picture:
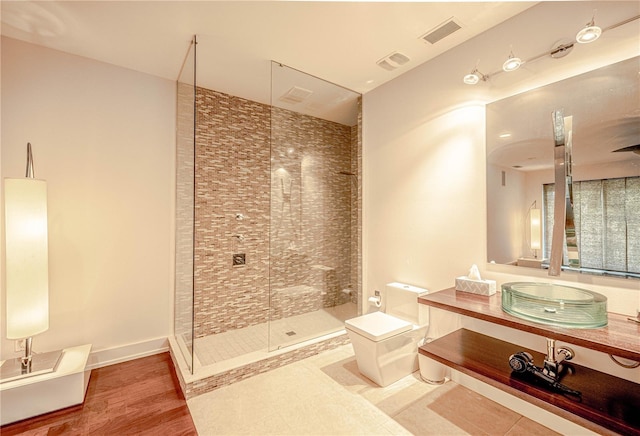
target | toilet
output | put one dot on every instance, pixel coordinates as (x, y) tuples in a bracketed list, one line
[(386, 343)]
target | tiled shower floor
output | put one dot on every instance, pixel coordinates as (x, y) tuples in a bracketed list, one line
[(283, 332)]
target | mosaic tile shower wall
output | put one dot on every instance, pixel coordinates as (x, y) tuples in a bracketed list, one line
[(311, 213), (310, 203), (232, 177)]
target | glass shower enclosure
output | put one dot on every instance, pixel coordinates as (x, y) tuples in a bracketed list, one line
[(185, 202), (267, 216)]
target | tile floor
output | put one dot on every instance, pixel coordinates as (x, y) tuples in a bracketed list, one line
[(326, 395), (228, 345)]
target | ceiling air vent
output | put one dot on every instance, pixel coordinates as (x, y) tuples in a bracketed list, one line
[(386, 65), (442, 31), (393, 61), (295, 95)]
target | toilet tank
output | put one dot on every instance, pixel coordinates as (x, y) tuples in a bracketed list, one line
[(402, 302)]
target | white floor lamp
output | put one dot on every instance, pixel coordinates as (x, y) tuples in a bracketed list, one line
[(27, 272)]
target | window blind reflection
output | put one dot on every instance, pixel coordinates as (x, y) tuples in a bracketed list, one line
[(607, 219)]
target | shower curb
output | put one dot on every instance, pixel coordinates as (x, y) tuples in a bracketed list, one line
[(225, 378)]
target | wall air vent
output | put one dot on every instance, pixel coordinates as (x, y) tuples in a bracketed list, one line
[(295, 95), (440, 32)]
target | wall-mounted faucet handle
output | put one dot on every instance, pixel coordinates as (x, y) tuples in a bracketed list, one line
[(240, 216), (239, 237), (565, 353)]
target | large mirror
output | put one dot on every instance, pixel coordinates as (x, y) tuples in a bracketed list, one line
[(605, 108)]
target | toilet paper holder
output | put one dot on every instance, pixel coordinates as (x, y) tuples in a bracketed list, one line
[(376, 300)]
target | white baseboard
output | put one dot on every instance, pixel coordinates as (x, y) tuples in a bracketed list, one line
[(124, 353)]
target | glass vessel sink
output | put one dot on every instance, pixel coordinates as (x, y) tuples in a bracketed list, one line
[(556, 305)]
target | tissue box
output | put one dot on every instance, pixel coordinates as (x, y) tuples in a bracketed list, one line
[(480, 287)]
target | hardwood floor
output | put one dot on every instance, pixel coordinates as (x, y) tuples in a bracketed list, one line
[(137, 397)]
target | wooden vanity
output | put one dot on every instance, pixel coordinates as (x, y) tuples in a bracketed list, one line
[(607, 402)]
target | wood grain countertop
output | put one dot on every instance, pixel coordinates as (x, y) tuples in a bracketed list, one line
[(620, 337)]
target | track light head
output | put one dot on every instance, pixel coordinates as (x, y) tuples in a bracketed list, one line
[(474, 77), (589, 33), (512, 63)]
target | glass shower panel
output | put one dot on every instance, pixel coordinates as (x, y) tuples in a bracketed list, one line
[(185, 174), (315, 204)]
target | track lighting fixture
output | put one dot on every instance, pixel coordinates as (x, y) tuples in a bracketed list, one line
[(474, 77), (590, 32), (562, 48), (512, 63)]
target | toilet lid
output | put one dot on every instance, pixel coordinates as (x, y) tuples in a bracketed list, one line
[(378, 326)]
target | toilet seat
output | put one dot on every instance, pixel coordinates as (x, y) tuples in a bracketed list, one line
[(378, 326)]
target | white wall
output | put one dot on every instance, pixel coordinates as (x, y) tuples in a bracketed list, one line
[(103, 138), (505, 212)]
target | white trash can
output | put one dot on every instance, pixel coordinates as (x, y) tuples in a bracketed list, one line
[(430, 371)]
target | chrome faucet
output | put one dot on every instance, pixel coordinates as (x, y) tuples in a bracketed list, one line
[(553, 360), (551, 371)]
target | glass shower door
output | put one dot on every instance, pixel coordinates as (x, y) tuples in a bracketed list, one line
[(313, 219), (185, 175)]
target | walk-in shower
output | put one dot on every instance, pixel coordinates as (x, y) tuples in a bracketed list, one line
[(267, 219)]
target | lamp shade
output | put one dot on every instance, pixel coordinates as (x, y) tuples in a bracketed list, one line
[(26, 254), (536, 229)]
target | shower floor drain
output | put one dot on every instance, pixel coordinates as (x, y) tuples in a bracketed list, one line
[(291, 333)]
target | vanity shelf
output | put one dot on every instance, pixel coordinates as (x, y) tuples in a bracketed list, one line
[(620, 337), (610, 402)]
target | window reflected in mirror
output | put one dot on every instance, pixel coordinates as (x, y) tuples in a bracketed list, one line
[(607, 221)]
